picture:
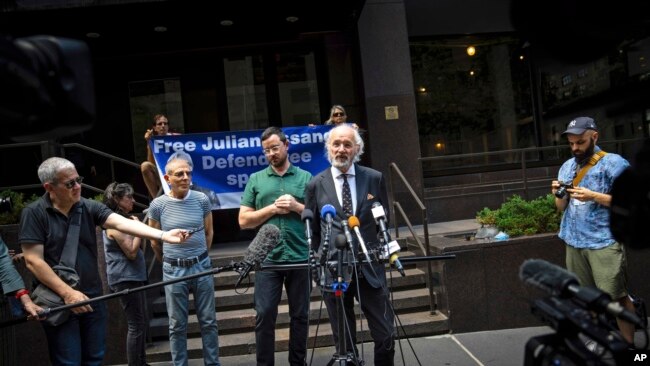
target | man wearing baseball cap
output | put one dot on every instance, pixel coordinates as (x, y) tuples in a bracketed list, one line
[(592, 253)]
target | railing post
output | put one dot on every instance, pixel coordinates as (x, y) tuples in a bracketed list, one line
[(393, 216), (524, 176)]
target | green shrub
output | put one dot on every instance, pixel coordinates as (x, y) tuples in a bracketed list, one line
[(520, 217), (18, 202)]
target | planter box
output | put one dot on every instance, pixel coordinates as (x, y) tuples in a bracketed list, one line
[(481, 289)]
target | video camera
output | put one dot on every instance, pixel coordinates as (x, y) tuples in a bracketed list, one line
[(577, 314), (46, 88)]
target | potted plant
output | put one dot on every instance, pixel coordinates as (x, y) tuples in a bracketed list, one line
[(518, 217)]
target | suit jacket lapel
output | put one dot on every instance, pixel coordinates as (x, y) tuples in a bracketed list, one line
[(327, 182)]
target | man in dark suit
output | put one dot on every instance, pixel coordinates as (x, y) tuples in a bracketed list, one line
[(365, 186)]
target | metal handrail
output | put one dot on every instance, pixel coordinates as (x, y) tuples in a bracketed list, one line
[(49, 148), (394, 169), (520, 153), (112, 159)]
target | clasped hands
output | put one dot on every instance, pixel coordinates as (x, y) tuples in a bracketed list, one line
[(285, 204)]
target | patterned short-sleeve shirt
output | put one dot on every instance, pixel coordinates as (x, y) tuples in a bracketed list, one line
[(586, 224)]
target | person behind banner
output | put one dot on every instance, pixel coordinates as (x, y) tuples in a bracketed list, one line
[(148, 168), (44, 223), (582, 191), (275, 196), (338, 116), (190, 209), (352, 189), (126, 269)]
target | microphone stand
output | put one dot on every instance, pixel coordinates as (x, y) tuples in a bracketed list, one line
[(48, 311), (340, 287)]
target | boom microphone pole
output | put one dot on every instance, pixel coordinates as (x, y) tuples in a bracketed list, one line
[(265, 240), (235, 267)]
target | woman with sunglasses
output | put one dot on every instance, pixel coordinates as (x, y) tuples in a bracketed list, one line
[(126, 269), (338, 116)]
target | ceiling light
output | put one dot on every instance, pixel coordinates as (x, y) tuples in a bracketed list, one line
[(292, 19), (160, 29), (226, 22), (471, 51)]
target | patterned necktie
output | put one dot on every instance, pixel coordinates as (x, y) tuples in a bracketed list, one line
[(347, 197)]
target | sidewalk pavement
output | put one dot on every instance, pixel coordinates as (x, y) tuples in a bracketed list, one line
[(504, 347), (497, 348)]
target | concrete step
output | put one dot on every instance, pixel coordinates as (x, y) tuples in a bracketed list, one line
[(415, 324), (228, 298), (243, 320), (236, 316)]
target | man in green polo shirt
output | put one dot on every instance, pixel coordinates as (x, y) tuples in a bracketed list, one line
[(276, 195)]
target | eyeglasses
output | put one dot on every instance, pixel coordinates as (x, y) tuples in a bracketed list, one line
[(338, 114), (272, 150), (162, 123), (181, 173), (71, 183)]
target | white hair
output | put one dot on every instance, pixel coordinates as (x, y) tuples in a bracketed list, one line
[(49, 169), (357, 140)]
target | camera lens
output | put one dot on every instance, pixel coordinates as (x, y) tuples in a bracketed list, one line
[(561, 192)]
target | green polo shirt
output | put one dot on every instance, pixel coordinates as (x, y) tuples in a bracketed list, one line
[(262, 189)]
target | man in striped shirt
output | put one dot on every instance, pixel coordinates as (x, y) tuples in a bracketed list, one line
[(185, 208)]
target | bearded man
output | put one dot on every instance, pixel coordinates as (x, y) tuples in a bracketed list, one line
[(592, 253)]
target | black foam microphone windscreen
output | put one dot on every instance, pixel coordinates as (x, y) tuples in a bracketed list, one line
[(266, 239)]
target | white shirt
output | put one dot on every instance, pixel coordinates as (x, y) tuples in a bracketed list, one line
[(338, 184)]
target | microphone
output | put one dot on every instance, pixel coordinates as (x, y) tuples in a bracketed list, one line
[(266, 239), (394, 258), (307, 216), (380, 218), (354, 224), (560, 282), (327, 213), (346, 231)]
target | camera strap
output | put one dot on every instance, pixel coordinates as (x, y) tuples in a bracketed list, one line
[(69, 254), (583, 171)]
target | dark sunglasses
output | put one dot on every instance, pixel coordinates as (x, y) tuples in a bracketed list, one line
[(338, 114), (71, 183), (162, 123)]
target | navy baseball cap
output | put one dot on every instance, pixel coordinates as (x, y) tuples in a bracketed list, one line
[(579, 125)]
